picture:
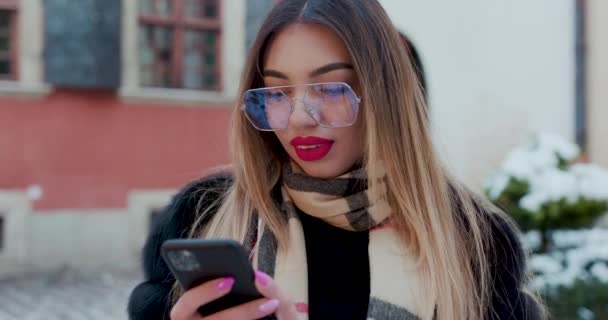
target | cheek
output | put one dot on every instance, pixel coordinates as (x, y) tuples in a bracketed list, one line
[(357, 134), (282, 137), (352, 143)]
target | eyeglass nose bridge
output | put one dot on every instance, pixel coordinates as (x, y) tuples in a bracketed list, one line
[(309, 110)]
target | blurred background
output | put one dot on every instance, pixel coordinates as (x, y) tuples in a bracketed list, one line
[(107, 107)]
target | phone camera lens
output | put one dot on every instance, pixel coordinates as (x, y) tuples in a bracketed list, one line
[(184, 260)]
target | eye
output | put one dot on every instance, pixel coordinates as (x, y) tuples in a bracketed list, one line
[(333, 91), (273, 95)]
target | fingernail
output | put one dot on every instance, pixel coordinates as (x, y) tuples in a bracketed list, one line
[(269, 306), (262, 278), (225, 284)]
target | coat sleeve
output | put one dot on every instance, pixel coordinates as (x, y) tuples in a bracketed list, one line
[(509, 299), (150, 299)]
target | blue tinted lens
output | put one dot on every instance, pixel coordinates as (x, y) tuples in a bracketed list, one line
[(267, 109), (255, 108), (331, 104)]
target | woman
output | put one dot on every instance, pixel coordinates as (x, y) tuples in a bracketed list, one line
[(336, 191)]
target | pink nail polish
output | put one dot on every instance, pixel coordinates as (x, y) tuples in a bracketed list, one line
[(225, 284), (262, 278), (269, 306)]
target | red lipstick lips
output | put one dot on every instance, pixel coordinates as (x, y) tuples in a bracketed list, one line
[(311, 148)]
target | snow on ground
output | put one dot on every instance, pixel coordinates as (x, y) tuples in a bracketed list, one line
[(66, 295)]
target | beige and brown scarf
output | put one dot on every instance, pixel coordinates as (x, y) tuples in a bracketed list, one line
[(396, 288)]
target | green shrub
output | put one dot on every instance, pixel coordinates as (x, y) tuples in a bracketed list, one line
[(584, 300), (542, 189)]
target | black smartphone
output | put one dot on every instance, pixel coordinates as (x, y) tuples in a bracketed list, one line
[(195, 261)]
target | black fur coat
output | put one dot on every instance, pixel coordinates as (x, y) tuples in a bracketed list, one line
[(150, 299)]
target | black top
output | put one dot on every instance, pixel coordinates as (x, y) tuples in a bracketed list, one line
[(333, 290), (338, 270)]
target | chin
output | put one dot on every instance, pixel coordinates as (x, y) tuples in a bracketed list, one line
[(321, 169)]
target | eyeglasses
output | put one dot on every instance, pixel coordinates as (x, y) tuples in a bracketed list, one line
[(330, 104)]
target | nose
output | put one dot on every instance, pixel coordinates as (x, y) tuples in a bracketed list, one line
[(301, 116)]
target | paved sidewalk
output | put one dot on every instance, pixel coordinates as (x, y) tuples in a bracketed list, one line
[(66, 295)]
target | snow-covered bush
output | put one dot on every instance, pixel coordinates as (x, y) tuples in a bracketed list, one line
[(542, 188), (555, 198), (573, 276), (576, 255)]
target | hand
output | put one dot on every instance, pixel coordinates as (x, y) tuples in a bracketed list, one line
[(274, 302)]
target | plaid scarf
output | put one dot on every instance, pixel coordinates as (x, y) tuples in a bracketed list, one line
[(396, 288)]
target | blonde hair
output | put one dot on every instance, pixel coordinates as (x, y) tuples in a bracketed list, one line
[(437, 219)]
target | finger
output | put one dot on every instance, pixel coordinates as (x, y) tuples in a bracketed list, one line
[(187, 305), (268, 288), (255, 309)]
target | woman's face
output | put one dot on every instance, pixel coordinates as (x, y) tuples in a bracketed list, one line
[(304, 54)]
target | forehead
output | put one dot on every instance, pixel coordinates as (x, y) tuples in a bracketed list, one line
[(300, 48)]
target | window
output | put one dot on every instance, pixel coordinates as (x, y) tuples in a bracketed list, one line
[(8, 31), (179, 44)]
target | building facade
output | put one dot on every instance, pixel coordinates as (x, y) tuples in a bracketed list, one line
[(499, 72), (106, 108)]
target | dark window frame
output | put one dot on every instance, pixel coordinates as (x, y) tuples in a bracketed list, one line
[(179, 24), (581, 117), (2, 232), (13, 57)]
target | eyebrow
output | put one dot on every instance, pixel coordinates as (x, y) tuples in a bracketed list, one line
[(315, 73)]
